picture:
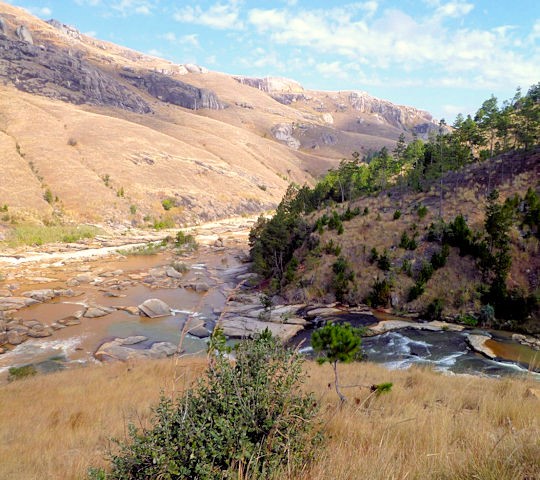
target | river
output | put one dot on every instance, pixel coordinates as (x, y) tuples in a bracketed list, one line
[(128, 280)]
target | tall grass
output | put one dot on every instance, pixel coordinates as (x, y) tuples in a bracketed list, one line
[(429, 426), (39, 234)]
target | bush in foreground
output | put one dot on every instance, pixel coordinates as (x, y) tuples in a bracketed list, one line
[(245, 419)]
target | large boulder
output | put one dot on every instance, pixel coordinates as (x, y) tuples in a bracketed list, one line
[(120, 349), (245, 327), (155, 308)]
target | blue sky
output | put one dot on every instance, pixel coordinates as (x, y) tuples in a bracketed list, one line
[(445, 56)]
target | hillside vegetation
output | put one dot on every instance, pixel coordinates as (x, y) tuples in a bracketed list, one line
[(443, 228)]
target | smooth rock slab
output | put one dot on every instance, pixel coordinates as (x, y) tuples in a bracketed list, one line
[(119, 349), (478, 344), (245, 327), (435, 326), (15, 303), (155, 308), (97, 311)]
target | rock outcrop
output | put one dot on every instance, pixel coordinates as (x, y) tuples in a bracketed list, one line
[(174, 91), (271, 84), (284, 133), (58, 73)]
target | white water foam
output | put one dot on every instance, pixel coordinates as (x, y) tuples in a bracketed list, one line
[(403, 344)]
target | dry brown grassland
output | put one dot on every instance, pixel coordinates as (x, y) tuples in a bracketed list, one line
[(430, 426)]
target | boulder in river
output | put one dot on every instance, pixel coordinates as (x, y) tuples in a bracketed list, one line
[(478, 344), (155, 308), (196, 327), (245, 327), (97, 311), (120, 349)]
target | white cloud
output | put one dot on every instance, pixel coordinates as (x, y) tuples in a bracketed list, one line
[(44, 12), (454, 9), (90, 33), (222, 16), (123, 7), (155, 53), (191, 40), (410, 45)]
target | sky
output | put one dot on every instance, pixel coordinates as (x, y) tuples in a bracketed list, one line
[(444, 56)]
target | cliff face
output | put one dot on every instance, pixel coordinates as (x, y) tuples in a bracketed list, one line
[(55, 73), (174, 91)]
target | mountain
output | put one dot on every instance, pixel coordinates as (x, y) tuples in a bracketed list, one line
[(94, 132)]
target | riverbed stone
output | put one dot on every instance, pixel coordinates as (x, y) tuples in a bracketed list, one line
[(40, 295), (70, 320), (173, 273), (3, 338), (245, 327), (129, 309), (478, 344), (15, 338), (120, 349), (97, 311), (15, 303), (324, 312), (155, 308), (196, 327), (40, 332)]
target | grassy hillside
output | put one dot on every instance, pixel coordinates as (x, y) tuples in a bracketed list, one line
[(387, 220), (429, 426), (76, 110)]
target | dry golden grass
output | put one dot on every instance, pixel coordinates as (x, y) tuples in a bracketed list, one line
[(429, 427)]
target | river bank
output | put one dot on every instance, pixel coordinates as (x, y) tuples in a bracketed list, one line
[(63, 305)]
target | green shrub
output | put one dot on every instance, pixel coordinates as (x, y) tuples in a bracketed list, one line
[(383, 261), (373, 255), (48, 196), (248, 418), (163, 223), (343, 276), (406, 267), (468, 320), (407, 242), (397, 214), (16, 373), (380, 293), (332, 248), (421, 211), (416, 291), (183, 240), (425, 273), (133, 209), (434, 310), (168, 203), (438, 259)]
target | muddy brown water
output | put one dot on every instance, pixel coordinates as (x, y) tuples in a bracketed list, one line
[(77, 343)]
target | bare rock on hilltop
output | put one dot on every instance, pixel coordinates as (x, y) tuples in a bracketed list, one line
[(24, 34), (174, 91), (61, 74)]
